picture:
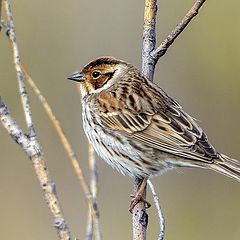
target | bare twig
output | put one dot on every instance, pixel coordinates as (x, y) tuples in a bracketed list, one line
[(160, 215), (149, 38), (140, 217), (93, 169), (94, 189), (20, 70), (16, 57), (29, 142), (89, 230), (161, 50), (66, 144), (33, 151)]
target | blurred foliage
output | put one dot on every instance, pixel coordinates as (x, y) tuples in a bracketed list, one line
[(200, 71)]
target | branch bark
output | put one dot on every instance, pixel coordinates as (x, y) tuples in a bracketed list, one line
[(29, 142), (34, 151), (149, 38), (94, 189), (88, 194), (21, 84), (140, 217), (161, 50), (150, 57)]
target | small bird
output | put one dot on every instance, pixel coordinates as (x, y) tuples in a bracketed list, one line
[(137, 128)]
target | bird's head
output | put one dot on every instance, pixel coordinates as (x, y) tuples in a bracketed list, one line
[(100, 74)]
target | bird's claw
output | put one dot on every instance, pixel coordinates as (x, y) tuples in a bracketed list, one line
[(136, 199)]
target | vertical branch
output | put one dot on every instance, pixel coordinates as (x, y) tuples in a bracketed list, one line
[(150, 56), (140, 217), (94, 190), (149, 38)]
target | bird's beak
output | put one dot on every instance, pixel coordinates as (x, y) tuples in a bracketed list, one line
[(78, 77)]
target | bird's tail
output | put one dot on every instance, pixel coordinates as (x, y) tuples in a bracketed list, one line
[(227, 166)]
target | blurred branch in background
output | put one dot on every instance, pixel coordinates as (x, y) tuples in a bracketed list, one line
[(150, 57), (29, 142), (94, 190), (21, 84), (92, 205), (34, 152), (160, 215)]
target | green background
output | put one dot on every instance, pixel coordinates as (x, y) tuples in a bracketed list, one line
[(200, 71)]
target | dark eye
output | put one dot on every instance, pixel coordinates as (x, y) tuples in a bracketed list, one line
[(96, 74)]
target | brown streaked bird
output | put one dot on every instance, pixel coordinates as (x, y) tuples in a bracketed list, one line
[(137, 128)]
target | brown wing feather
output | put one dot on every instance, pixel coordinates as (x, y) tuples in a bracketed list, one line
[(151, 117)]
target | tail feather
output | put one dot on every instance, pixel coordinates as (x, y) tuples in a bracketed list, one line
[(227, 166)]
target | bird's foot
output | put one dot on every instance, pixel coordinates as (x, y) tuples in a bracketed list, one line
[(136, 199)]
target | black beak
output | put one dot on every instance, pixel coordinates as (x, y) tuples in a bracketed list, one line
[(78, 77)]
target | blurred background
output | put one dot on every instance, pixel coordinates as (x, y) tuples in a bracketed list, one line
[(200, 71)]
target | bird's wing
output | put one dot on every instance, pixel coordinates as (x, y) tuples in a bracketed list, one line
[(168, 129)]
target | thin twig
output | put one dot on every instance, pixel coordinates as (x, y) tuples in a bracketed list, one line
[(21, 84), (93, 169), (91, 160), (94, 190), (161, 50), (160, 215), (33, 151), (89, 229), (29, 142), (20, 71), (66, 144)]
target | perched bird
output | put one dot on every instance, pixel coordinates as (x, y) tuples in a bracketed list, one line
[(137, 128)]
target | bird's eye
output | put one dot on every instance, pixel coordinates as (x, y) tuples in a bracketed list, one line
[(96, 74)]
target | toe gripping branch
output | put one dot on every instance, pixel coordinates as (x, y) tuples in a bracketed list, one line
[(139, 197)]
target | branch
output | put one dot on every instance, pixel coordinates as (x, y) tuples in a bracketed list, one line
[(149, 38), (140, 217), (161, 50), (94, 190), (150, 57), (30, 143), (160, 215), (92, 206), (33, 151), (66, 144), (21, 84)]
